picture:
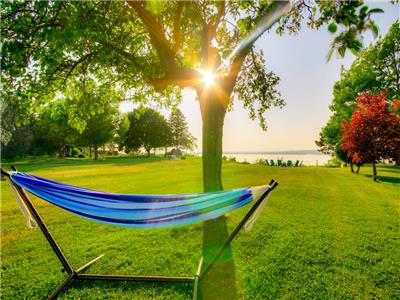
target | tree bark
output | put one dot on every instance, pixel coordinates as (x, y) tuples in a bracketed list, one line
[(374, 177), (352, 168), (220, 281), (148, 152), (96, 152), (90, 151), (61, 151)]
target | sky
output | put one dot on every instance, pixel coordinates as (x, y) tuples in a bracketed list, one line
[(306, 85)]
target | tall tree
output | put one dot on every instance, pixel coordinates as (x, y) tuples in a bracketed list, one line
[(148, 129), (100, 129), (168, 45), (54, 120), (123, 127), (181, 137), (375, 70), (373, 133)]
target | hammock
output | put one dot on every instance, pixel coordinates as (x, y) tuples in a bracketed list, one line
[(136, 211)]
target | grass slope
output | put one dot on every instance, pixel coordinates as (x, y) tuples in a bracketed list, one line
[(326, 233)]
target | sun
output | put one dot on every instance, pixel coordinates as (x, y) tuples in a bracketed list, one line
[(208, 77)]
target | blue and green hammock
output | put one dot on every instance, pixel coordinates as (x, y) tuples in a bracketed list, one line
[(134, 211), (137, 211)]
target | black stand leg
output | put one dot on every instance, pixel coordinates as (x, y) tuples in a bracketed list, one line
[(197, 280), (238, 227), (87, 265), (63, 285)]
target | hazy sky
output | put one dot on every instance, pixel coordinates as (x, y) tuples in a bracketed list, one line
[(306, 85)]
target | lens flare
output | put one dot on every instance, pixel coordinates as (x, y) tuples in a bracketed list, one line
[(208, 77), (279, 9)]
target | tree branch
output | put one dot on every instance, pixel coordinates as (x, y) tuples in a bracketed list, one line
[(218, 18), (177, 24), (132, 58), (157, 35), (79, 61), (230, 79), (182, 77)]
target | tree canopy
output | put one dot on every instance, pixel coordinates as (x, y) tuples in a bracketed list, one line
[(373, 132), (162, 44), (374, 71), (148, 129), (180, 135)]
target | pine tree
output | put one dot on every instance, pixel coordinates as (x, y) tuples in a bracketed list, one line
[(181, 137)]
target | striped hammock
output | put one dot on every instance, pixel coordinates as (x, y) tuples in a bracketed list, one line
[(135, 211)]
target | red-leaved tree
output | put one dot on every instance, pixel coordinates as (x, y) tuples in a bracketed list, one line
[(373, 133)]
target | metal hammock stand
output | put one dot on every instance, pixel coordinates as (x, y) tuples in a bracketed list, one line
[(77, 274)]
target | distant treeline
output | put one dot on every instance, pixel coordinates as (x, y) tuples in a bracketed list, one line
[(109, 131)]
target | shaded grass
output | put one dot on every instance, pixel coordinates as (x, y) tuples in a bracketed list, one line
[(326, 233)]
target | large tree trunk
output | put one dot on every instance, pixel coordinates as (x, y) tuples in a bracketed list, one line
[(220, 281), (374, 177), (96, 152), (61, 151), (352, 168)]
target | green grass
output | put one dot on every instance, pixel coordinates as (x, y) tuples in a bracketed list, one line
[(326, 233)]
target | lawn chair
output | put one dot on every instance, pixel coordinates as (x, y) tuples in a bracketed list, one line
[(289, 163), (297, 163), (266, 162), (134, 211), (272, 162), (279, 162)]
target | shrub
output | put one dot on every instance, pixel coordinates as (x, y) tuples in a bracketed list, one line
[(260, 161), (334, 163)]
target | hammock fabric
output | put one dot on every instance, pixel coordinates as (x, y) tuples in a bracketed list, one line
[(137, 211)]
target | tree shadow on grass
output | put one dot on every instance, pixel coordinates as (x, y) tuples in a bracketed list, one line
[(126, 288), (389, 179), (391, 169), (51, 162)]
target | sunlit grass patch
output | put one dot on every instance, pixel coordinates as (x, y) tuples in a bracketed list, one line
[(324, 233)]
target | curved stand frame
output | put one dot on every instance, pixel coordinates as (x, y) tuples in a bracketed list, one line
[(76, 274)]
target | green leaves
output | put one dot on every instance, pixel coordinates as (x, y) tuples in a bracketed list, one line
[(375, 29), (375, 10), (155, 6), (147, 129), (257, 88), (332, 27), (356, 46), (374, 70), (342, 50)]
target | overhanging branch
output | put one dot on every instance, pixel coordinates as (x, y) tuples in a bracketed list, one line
[(157, 35), (177, 26)]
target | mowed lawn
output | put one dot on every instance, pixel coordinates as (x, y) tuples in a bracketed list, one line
[(325, 233)]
